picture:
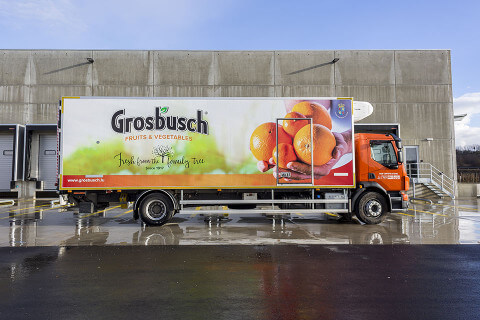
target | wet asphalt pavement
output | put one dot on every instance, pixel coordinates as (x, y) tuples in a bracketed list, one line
[(241, 282), (56, 263), (40, 224)]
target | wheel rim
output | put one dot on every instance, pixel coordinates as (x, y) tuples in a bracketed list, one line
[(156, 210), (373, 208)]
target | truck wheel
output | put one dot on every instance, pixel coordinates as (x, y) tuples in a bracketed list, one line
[(156, 209), (371, 208)]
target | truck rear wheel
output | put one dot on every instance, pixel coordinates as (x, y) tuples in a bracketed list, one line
[(156, 209), (371, 208)]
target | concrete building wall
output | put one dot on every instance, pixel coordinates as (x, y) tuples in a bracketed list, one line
[(410, 87)]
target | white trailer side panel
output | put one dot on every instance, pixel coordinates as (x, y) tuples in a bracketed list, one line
[(211, 143)]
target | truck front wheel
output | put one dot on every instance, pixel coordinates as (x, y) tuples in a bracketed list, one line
[(371, 208), (156, 209)]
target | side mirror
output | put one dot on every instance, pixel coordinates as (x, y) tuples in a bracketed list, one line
[(400, 156)]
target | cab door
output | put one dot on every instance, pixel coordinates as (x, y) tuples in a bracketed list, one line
[(383, 165)]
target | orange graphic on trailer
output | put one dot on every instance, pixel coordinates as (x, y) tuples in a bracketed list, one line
[(313, 150)]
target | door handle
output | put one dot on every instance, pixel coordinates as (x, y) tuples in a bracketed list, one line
[(371, 175)]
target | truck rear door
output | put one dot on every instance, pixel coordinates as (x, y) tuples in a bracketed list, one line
[(284, 176)]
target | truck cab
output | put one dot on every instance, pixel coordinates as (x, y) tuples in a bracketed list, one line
[(381, 176)]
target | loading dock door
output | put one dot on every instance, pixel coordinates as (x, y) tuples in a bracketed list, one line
[(47, 161), (6, 161)]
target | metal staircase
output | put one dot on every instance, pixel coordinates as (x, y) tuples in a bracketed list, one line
[(432, 178)]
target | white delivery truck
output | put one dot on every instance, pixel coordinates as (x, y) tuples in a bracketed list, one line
[(264, 155)]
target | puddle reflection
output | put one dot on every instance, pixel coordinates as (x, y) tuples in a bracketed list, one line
[(41, 224)]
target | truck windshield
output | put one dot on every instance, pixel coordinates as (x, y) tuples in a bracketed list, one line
[(383, 152)]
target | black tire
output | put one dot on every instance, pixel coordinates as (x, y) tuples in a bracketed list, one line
[(156, 209), (371, 208)]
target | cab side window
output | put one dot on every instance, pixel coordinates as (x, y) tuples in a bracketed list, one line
[(383, 153)]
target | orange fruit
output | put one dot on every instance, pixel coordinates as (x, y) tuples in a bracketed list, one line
[(292, 126), (323, 144), (286, 154), (316, 111), (263, 140)]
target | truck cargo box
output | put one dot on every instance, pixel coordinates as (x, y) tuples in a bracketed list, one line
[(210, 143)]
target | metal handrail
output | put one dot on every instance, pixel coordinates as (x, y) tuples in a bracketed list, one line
[(425, 172)]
